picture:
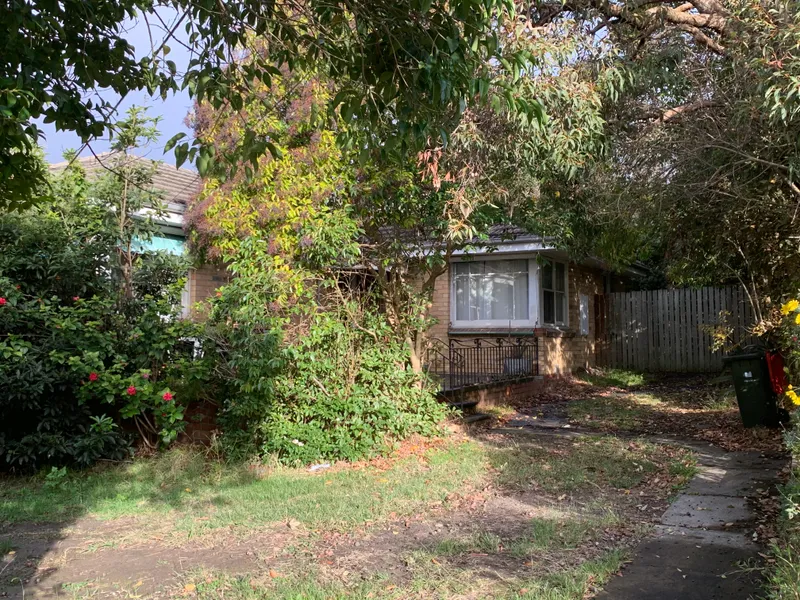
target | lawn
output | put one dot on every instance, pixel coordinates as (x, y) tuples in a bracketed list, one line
[(497, 515), (185, 486)]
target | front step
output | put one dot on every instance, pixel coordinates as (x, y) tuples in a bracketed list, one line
[(467, 409), (475, 417), (465, 405)]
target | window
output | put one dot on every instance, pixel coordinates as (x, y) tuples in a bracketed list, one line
[(584, 313), (491, 292), (554, 293)]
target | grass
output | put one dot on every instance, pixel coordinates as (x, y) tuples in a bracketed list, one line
[(585, 463), (573, 584), (542, 535), (429, 580), (5, 547), (625, 414), (184, 490), (203, 494), (197, 494), (614, 378)]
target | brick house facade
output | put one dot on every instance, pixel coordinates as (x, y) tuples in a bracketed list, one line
[(518, 288)]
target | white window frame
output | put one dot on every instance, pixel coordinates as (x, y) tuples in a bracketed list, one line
[(557, 324), (534, 296)]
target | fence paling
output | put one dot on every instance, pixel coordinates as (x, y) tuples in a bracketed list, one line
[(663, 330)]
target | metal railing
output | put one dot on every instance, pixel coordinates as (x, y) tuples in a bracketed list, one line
[(477, 361)]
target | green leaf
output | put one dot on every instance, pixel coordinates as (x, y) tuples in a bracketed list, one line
[(173, 140)]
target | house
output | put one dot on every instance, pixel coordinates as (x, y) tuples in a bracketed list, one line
[(509, 306), (517, 306), (176, 188)]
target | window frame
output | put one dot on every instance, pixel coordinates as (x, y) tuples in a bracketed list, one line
[(534, 284), (555, 324)]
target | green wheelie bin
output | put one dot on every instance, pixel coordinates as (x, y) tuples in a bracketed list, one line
[(757, 401)]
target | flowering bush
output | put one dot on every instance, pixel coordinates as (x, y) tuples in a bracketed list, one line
[(788, 334), (83, 366)]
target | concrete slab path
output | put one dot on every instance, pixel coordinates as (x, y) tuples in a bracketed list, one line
[(703, 548)]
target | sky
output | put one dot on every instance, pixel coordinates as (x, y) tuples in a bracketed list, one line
[(173, 110)]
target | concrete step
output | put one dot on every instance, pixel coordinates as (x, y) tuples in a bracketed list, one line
[(475, 417), (465, 405)]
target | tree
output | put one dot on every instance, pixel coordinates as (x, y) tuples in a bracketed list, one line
[(410, 67), (324, 208), (698, 163)]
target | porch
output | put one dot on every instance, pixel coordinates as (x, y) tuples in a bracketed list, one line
[(468, 363)]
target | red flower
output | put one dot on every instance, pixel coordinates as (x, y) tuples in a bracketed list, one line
[(3, 301), (146, 375), (76, 298), (167, 396), (92, 376), (131, 391)]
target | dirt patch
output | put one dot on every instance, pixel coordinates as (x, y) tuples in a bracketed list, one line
[(700, 407), (118, 558)]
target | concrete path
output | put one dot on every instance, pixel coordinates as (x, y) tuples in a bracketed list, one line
[(703, 547)]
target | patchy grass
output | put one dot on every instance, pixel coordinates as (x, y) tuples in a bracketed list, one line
[(202, 494), (614, 378), (693, 407), (430, 580), (573, 465), (573, 584), (5, 547), (625, 414), (542, 534), (528, 517)]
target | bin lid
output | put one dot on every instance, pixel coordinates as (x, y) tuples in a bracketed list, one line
[(738, 357)]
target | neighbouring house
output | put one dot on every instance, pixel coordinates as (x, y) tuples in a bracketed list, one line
[(176, 188), (517, 307)]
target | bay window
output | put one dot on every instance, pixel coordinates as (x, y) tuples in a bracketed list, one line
[(491, 292), (554, 293), (503, 293)]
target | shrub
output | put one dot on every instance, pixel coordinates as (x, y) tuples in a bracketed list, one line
[(783, 576), (82, 364), (319, 377), (346, 392)]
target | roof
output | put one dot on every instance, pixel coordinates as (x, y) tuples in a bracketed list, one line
[(177, 185), (511, 233)]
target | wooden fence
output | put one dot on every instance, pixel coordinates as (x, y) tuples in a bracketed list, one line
[(664, 330)]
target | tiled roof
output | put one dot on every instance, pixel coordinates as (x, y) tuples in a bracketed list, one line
[(176, 185), (512, 233), (496, 234)]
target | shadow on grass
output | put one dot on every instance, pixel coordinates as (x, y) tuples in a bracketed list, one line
[(181, 494), (553, 527)]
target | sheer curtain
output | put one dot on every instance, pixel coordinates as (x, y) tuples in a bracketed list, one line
[(492, 290)]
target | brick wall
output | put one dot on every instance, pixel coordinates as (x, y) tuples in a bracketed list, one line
[(440, 308), (499, 394), (560, 352), (203, 283)]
